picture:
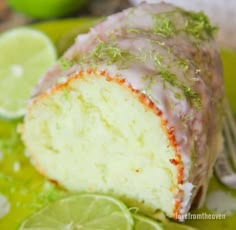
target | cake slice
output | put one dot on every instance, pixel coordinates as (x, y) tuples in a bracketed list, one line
[(133, 109)]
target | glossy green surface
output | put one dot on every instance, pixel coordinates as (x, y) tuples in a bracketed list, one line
[(27, 191)]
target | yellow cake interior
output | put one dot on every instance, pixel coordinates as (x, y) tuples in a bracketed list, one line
[(91, 134)]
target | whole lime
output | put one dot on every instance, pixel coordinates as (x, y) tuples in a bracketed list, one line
[(42, 9)]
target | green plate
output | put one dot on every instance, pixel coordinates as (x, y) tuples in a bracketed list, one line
[(27, 191)]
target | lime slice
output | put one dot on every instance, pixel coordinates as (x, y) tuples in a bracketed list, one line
[(25, 55), (145, 223), (84, 211)]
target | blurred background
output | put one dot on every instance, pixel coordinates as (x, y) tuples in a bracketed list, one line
[(19, 12)]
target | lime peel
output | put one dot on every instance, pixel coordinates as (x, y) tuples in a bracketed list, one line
[(145, 223)]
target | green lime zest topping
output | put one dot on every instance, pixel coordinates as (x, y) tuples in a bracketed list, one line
[(166, 75), (66, 63), (192, 96), (183, 63), (107, 52), (136, 31), (196, 24), (150, 80), (199, 26), (178, 96), (158, 59), (111, 53), (163, 26)]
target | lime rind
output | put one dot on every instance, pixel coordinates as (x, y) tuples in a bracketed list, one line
[(85, 211), (145, 223), (8, 115)]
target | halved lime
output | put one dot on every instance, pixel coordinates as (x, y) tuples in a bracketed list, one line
[(145, 223), (83, 211), (25, 54)]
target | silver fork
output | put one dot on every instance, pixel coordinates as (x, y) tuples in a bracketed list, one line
[(225, 166)]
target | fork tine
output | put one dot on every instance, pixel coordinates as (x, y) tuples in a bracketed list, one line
[(230, 134)]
